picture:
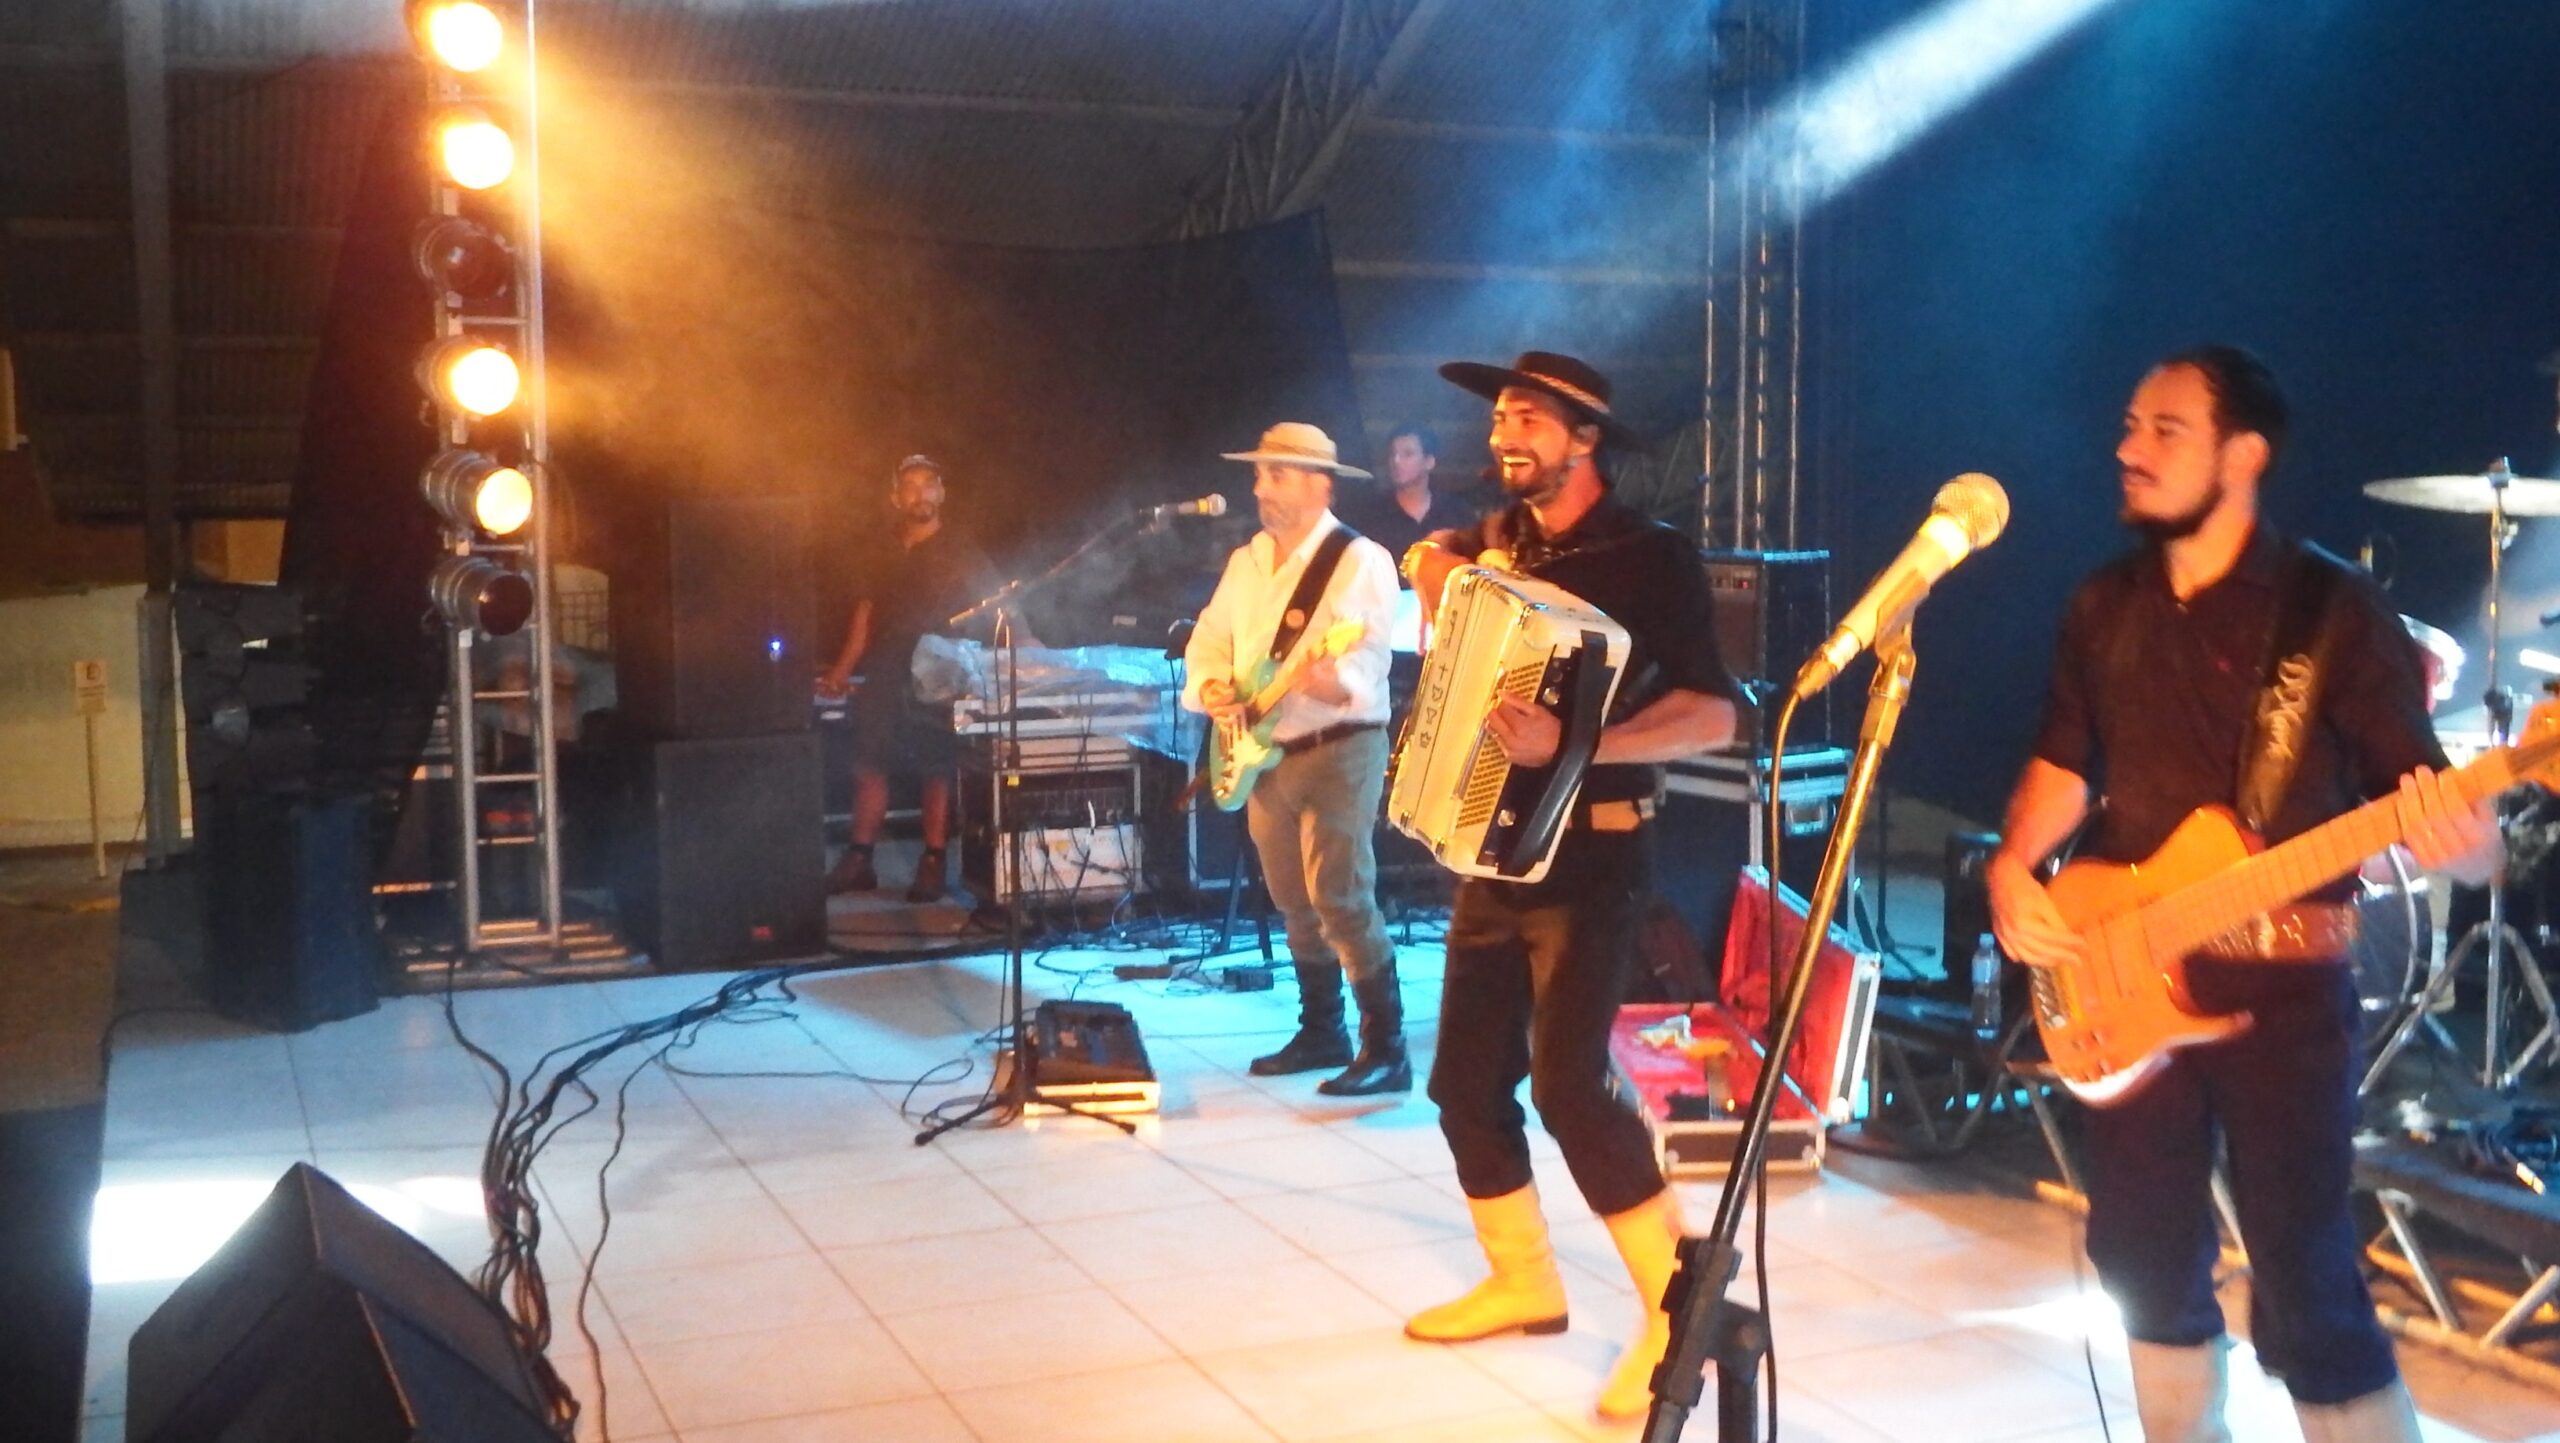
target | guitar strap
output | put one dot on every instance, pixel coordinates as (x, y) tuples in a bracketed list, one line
[(1310, 592), (2289, 688)]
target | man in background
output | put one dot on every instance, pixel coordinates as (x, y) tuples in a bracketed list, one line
[(1407, 507), (906, 594)]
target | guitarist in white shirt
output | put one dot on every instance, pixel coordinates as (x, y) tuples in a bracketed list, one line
[(1313, 815), (2157, 680)]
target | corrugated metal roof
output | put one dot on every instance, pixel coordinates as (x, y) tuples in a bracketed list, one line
[(73, 24), (1149, 52), (1569, 64), (252, 282), (1406, 197), (278, 148), (285, 30), (1467, 227), (62, 141)]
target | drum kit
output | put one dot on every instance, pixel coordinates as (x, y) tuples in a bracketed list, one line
[(2404, 986)]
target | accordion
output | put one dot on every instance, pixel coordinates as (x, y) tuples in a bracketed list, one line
[(1451, 788)]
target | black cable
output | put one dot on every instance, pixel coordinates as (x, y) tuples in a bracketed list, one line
[(531, 1115), (1774, 816), (107, 1038), (2088, 1347)]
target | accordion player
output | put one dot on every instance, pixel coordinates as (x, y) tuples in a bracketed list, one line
[(1451, 787)]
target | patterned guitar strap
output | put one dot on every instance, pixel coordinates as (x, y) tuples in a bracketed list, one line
[(2297, 666)]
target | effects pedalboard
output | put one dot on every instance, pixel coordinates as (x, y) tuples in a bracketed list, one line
[(1088, 1057)]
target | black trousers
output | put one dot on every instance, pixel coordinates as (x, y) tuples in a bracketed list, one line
[(1535, 975), (2280, 1101)]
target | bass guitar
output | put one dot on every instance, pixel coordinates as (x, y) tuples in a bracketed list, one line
[(2113, 1017), (1240, 747)]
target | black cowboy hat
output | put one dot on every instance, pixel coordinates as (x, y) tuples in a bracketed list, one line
[(1583, 390)]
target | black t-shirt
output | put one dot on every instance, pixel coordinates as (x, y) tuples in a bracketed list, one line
[(913, 591), (1642, 575), (1371, 510), (2151, 701)]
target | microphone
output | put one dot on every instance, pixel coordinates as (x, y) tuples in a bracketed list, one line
[(1210, 505), (1968, 515)]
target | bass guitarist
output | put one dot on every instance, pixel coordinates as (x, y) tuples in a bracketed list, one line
[(1313, 815), (2221, 665)]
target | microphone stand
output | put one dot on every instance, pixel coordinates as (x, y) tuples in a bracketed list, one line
[(1014, 1099), (1705, 1324)]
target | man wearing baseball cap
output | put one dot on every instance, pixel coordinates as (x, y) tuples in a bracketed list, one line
[(1312, 816)]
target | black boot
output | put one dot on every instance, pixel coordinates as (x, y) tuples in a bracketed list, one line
[(854, 872), (930, 884), (1313, 1049), (1382, 1065), (1321, 1041)]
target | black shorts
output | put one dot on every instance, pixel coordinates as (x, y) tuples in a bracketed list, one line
[(896, 734)]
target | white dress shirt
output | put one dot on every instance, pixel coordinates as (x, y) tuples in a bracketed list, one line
[(1236, 627)]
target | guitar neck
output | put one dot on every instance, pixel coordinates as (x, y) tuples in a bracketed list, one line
[(1259, 705), (2193, 916)]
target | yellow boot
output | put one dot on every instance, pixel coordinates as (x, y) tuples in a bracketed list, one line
[(1525, 1293), (1648, 1239)]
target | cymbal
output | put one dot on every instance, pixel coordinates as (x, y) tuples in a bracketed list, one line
[(2526, 495)]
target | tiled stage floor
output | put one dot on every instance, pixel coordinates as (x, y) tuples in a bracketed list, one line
[(786, 1266)]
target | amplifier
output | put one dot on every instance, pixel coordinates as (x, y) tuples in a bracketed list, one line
[(1078, 831), (1772, 609)]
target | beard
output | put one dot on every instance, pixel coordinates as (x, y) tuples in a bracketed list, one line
[(1536, 482), (2176, 527)]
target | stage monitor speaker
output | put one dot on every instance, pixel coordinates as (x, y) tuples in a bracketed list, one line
[(724, 852), (319, 1320), (289, 935), (1772, 609), (712, 630)]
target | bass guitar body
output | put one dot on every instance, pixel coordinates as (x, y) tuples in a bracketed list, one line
[(2113, 1019)]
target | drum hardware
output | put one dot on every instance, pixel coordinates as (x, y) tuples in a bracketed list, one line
[(2499, 494)]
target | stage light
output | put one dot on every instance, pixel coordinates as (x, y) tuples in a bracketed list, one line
[(468, 489), (461, 35), (476, 152), (469, 375), (464, 258), (475, 593), (1824, 136)]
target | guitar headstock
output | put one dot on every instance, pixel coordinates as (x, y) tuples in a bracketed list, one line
[(1341, 637)]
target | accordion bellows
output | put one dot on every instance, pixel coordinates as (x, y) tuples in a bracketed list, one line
[(1452, 789)]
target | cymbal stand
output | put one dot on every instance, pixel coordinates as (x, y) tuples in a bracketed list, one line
[(2494, 938)]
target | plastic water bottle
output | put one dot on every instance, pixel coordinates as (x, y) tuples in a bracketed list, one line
[(1986, 989)]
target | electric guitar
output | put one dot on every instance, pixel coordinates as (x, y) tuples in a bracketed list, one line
[(1241, 748), (2111, 1019)]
